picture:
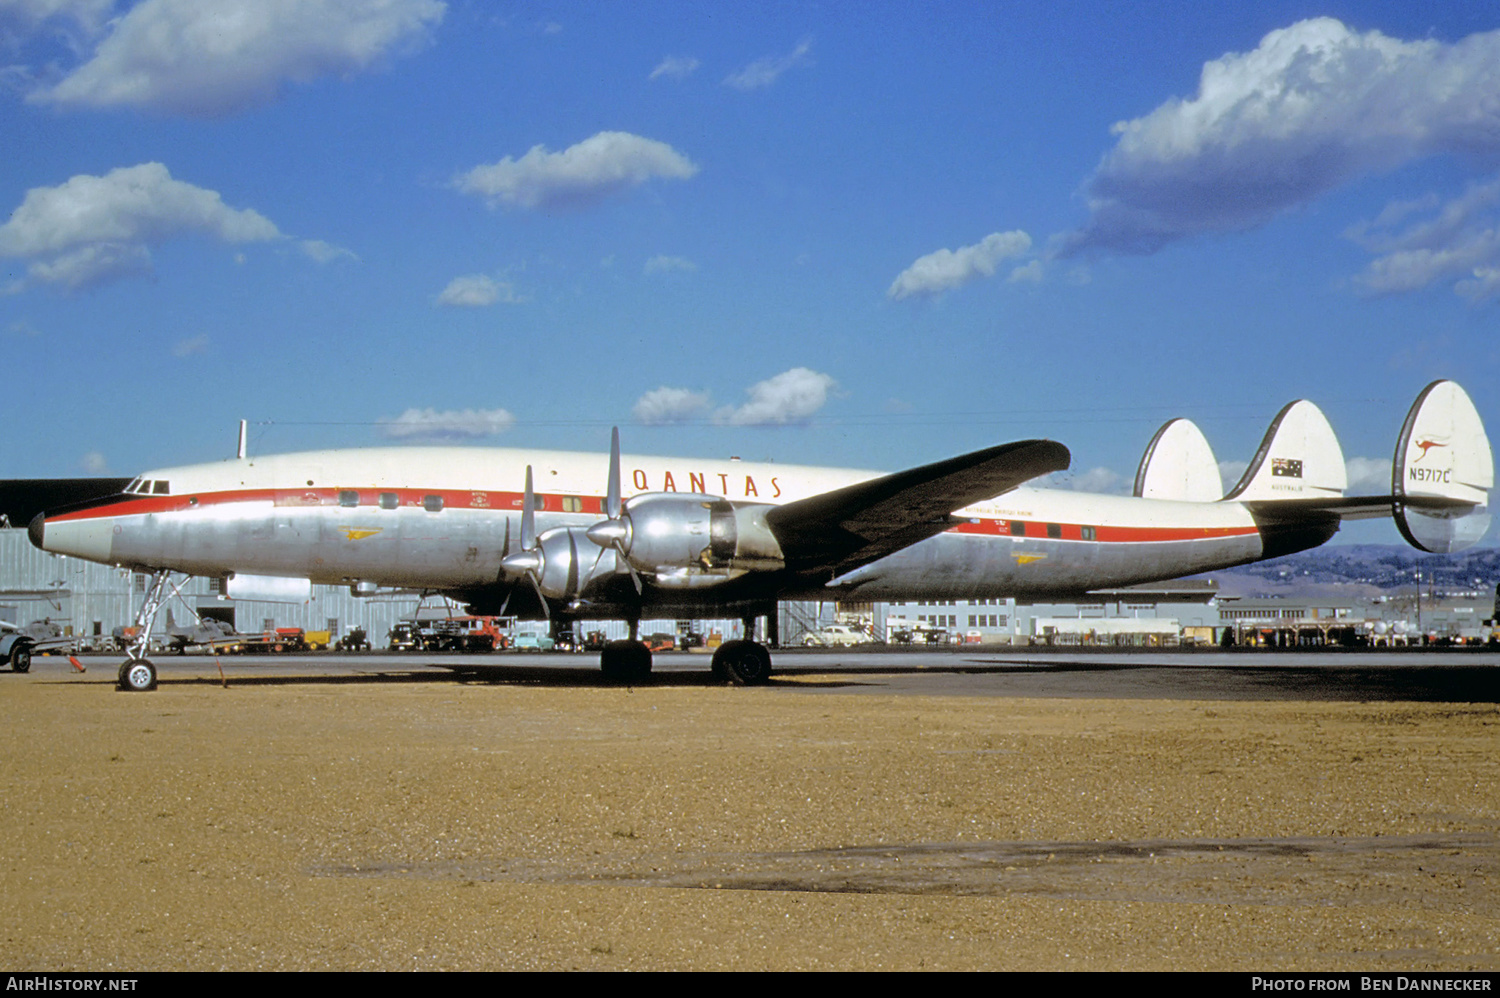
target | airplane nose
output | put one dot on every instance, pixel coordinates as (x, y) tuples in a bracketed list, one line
[(36, 529)]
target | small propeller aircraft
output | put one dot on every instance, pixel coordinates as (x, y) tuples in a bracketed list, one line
[(627, 537)]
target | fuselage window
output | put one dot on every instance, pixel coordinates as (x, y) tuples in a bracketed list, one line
[(389, 500), (572, 504), (1089, 534), (1054, 530), (348, 497), (432, 503), (1017, 528)]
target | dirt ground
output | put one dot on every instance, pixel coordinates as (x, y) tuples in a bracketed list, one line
[(489, 826)]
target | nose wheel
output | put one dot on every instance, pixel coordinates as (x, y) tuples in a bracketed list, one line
[(137, 675)]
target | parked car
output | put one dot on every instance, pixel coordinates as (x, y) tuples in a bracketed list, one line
[(534, 640), (835, 635)]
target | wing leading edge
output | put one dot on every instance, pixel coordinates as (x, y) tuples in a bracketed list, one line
[(840, 530)]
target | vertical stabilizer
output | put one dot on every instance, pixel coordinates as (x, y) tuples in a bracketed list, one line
[(1179, 465), (1299, 458), (1442, 472)]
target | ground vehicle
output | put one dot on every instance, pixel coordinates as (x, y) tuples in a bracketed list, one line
[(282, 639), (355, 640), (15, 648), (468, 633), (533, 639), (660, 641), (832, 635), (404, 637)]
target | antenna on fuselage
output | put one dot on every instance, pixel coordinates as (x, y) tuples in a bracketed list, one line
[(244, 437)]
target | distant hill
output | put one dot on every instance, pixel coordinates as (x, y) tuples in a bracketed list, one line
[(1362, 570)]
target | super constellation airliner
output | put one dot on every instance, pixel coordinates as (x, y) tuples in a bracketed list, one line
[(548, 534)]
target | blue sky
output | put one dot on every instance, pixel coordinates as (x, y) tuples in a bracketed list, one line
[(858, 234)]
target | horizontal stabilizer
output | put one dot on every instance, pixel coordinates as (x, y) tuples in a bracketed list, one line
[(1299, 458), (1442, 472), (1179, 465)]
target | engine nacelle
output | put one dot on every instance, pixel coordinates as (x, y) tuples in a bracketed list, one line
[(570, 563), (688, 540)]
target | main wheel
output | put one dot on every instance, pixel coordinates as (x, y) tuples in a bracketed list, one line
[(137, 675), (626, 662), (743, 663), (20, 657)]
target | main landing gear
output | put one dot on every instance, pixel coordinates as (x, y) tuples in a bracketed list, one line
[(741, 662), (137, 674), (745, 661)]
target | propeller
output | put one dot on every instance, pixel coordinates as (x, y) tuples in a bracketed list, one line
[(527, 561), (613, 531)]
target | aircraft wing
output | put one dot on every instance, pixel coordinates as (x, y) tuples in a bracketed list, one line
[(840, 530)]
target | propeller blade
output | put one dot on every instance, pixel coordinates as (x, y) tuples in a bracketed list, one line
[(612, 496), (528, 515), (546, 610)]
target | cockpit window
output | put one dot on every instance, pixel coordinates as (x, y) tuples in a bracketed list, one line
[(134, 486), (161, 488)]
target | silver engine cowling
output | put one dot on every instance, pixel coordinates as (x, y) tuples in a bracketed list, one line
[(688, 540)]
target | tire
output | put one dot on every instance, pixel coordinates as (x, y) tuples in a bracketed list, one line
[(20, 657), (137, 676), (743, 663), (626, 662)]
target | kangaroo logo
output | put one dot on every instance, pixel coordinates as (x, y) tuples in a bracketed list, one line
[(1426, 446)]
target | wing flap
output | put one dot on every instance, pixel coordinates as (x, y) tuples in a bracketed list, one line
[(859, 523)]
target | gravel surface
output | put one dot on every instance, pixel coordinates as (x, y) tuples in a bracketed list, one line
[(381, 825)]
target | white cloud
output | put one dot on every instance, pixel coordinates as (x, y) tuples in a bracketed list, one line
[(1458, 241), (947, 269), (94, 463), (1368, 475), (763, 72), (1230, 473), (1482, 286), (793, 396), (676, 67), (664, 264), (580, 175), (207, 59), (1314, 105), (1027, 273), (90, 230), (430, 424), (477, 291), (193, 345), (323, 252), (670, 405), (26, 16)]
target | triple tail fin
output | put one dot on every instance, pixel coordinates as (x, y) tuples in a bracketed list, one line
[(1442, 472), (1179, 465), (1299, 458)]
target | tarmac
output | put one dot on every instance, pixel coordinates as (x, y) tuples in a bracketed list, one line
[(926, 810)]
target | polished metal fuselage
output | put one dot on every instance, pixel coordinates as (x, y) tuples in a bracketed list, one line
[(442, 520)]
